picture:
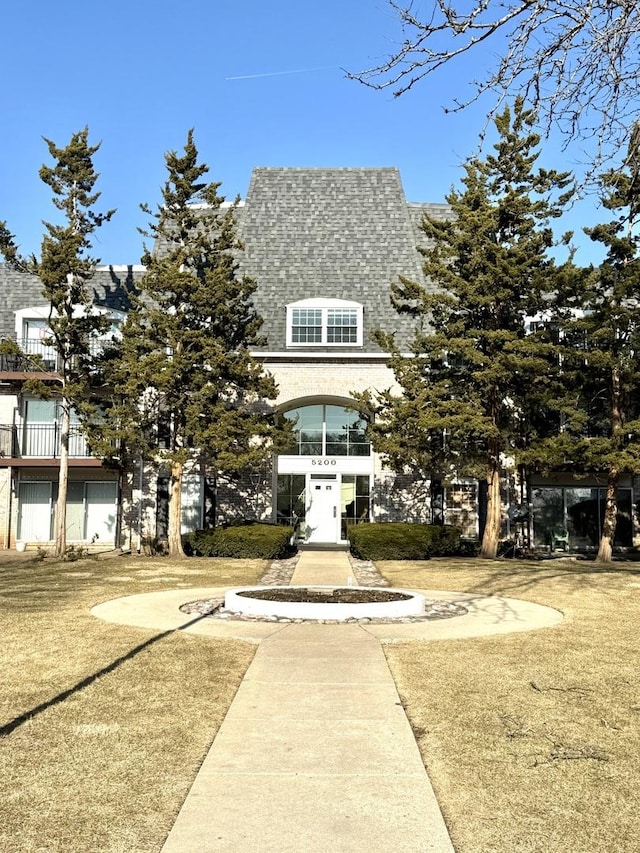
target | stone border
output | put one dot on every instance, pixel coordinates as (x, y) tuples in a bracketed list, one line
[(485, 616)]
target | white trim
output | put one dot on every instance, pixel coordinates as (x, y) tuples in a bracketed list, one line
[(331, 356), (324, 306), (358, 465), (121, 267)]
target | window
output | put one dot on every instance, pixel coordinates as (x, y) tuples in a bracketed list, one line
[(36, 340), (342, 325), (461, 507), (41, 431), (325, 430), (291, 500), (355, 501), (575, 514), (324, 322), (306, 326), (33, 332), (191, 507)]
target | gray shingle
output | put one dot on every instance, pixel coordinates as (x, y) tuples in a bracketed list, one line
[(342, 233), (109, 287)]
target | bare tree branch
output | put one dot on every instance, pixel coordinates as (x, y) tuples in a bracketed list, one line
[(576, 62)]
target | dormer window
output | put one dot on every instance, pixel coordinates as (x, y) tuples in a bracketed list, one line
[(34, 336), (324, 322)]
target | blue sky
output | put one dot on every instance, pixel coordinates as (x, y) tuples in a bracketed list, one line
[(260, 82)]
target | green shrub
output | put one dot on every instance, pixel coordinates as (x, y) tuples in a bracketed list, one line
[(248, 541), (445, 540), (403, 541)]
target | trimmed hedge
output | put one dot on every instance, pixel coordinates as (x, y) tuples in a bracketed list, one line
[(247, 541), (390, 540)]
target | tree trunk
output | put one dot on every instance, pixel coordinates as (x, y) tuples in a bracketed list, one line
[(491, 535), (605, 548), (63, 481), (175, 511)]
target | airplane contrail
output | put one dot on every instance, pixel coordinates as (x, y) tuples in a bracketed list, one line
[(280, 73)]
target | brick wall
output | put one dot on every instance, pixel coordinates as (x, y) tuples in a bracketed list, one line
[(297, 380)]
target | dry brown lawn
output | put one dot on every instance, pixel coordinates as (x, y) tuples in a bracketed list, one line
[(103, 727), (532, 740)]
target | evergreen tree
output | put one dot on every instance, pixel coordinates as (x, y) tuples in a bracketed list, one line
[(601, 359), (188, 389), (64, 268), (467, 389)]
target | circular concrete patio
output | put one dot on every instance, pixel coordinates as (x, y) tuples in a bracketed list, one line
[(486, 615)]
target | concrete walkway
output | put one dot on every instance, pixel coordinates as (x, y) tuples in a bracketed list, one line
[(315, 753)]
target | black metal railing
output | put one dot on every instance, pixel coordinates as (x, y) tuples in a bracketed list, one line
[(40, 441), (37, 356), (21, 363)]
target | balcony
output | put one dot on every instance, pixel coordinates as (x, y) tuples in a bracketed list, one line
[(36, 357), (38, 353), (40, 441), (20, 364)]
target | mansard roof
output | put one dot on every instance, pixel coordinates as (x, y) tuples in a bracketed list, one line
[(108, 287), (341, 233), (308, 233)]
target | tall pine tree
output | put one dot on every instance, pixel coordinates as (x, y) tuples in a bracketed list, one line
[(464, 408), (601, 360), (186, 388), (64, 268)]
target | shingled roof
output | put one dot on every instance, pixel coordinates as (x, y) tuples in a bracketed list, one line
[(341, 233), (109, 287), (344, 233)]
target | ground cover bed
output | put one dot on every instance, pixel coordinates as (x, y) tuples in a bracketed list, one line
[(338, 595), (103, 727), (531, 739)]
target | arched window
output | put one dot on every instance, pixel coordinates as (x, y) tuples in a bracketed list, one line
[(328, 430)]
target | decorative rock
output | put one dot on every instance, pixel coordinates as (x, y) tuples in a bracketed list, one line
[(280, 573)]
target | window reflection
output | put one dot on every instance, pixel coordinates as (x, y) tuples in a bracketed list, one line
[(574, 515), (355, 501), (326, 430)]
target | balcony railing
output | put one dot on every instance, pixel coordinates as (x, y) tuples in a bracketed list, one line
[(36, 356), (39, 441), (19, 363)]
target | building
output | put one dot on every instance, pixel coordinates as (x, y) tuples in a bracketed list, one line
[(324, 246), (29, 426)]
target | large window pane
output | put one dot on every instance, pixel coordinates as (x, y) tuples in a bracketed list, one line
[(306, 326), (548, 514), (328, 430), (583, 522), (35, 511), (191, 505), (624, 523), (307, 430), (41, 411), (342, 326), (460, 503), (75, 511), (290, 500), (355, 501), (577, 514), (337, 424)]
